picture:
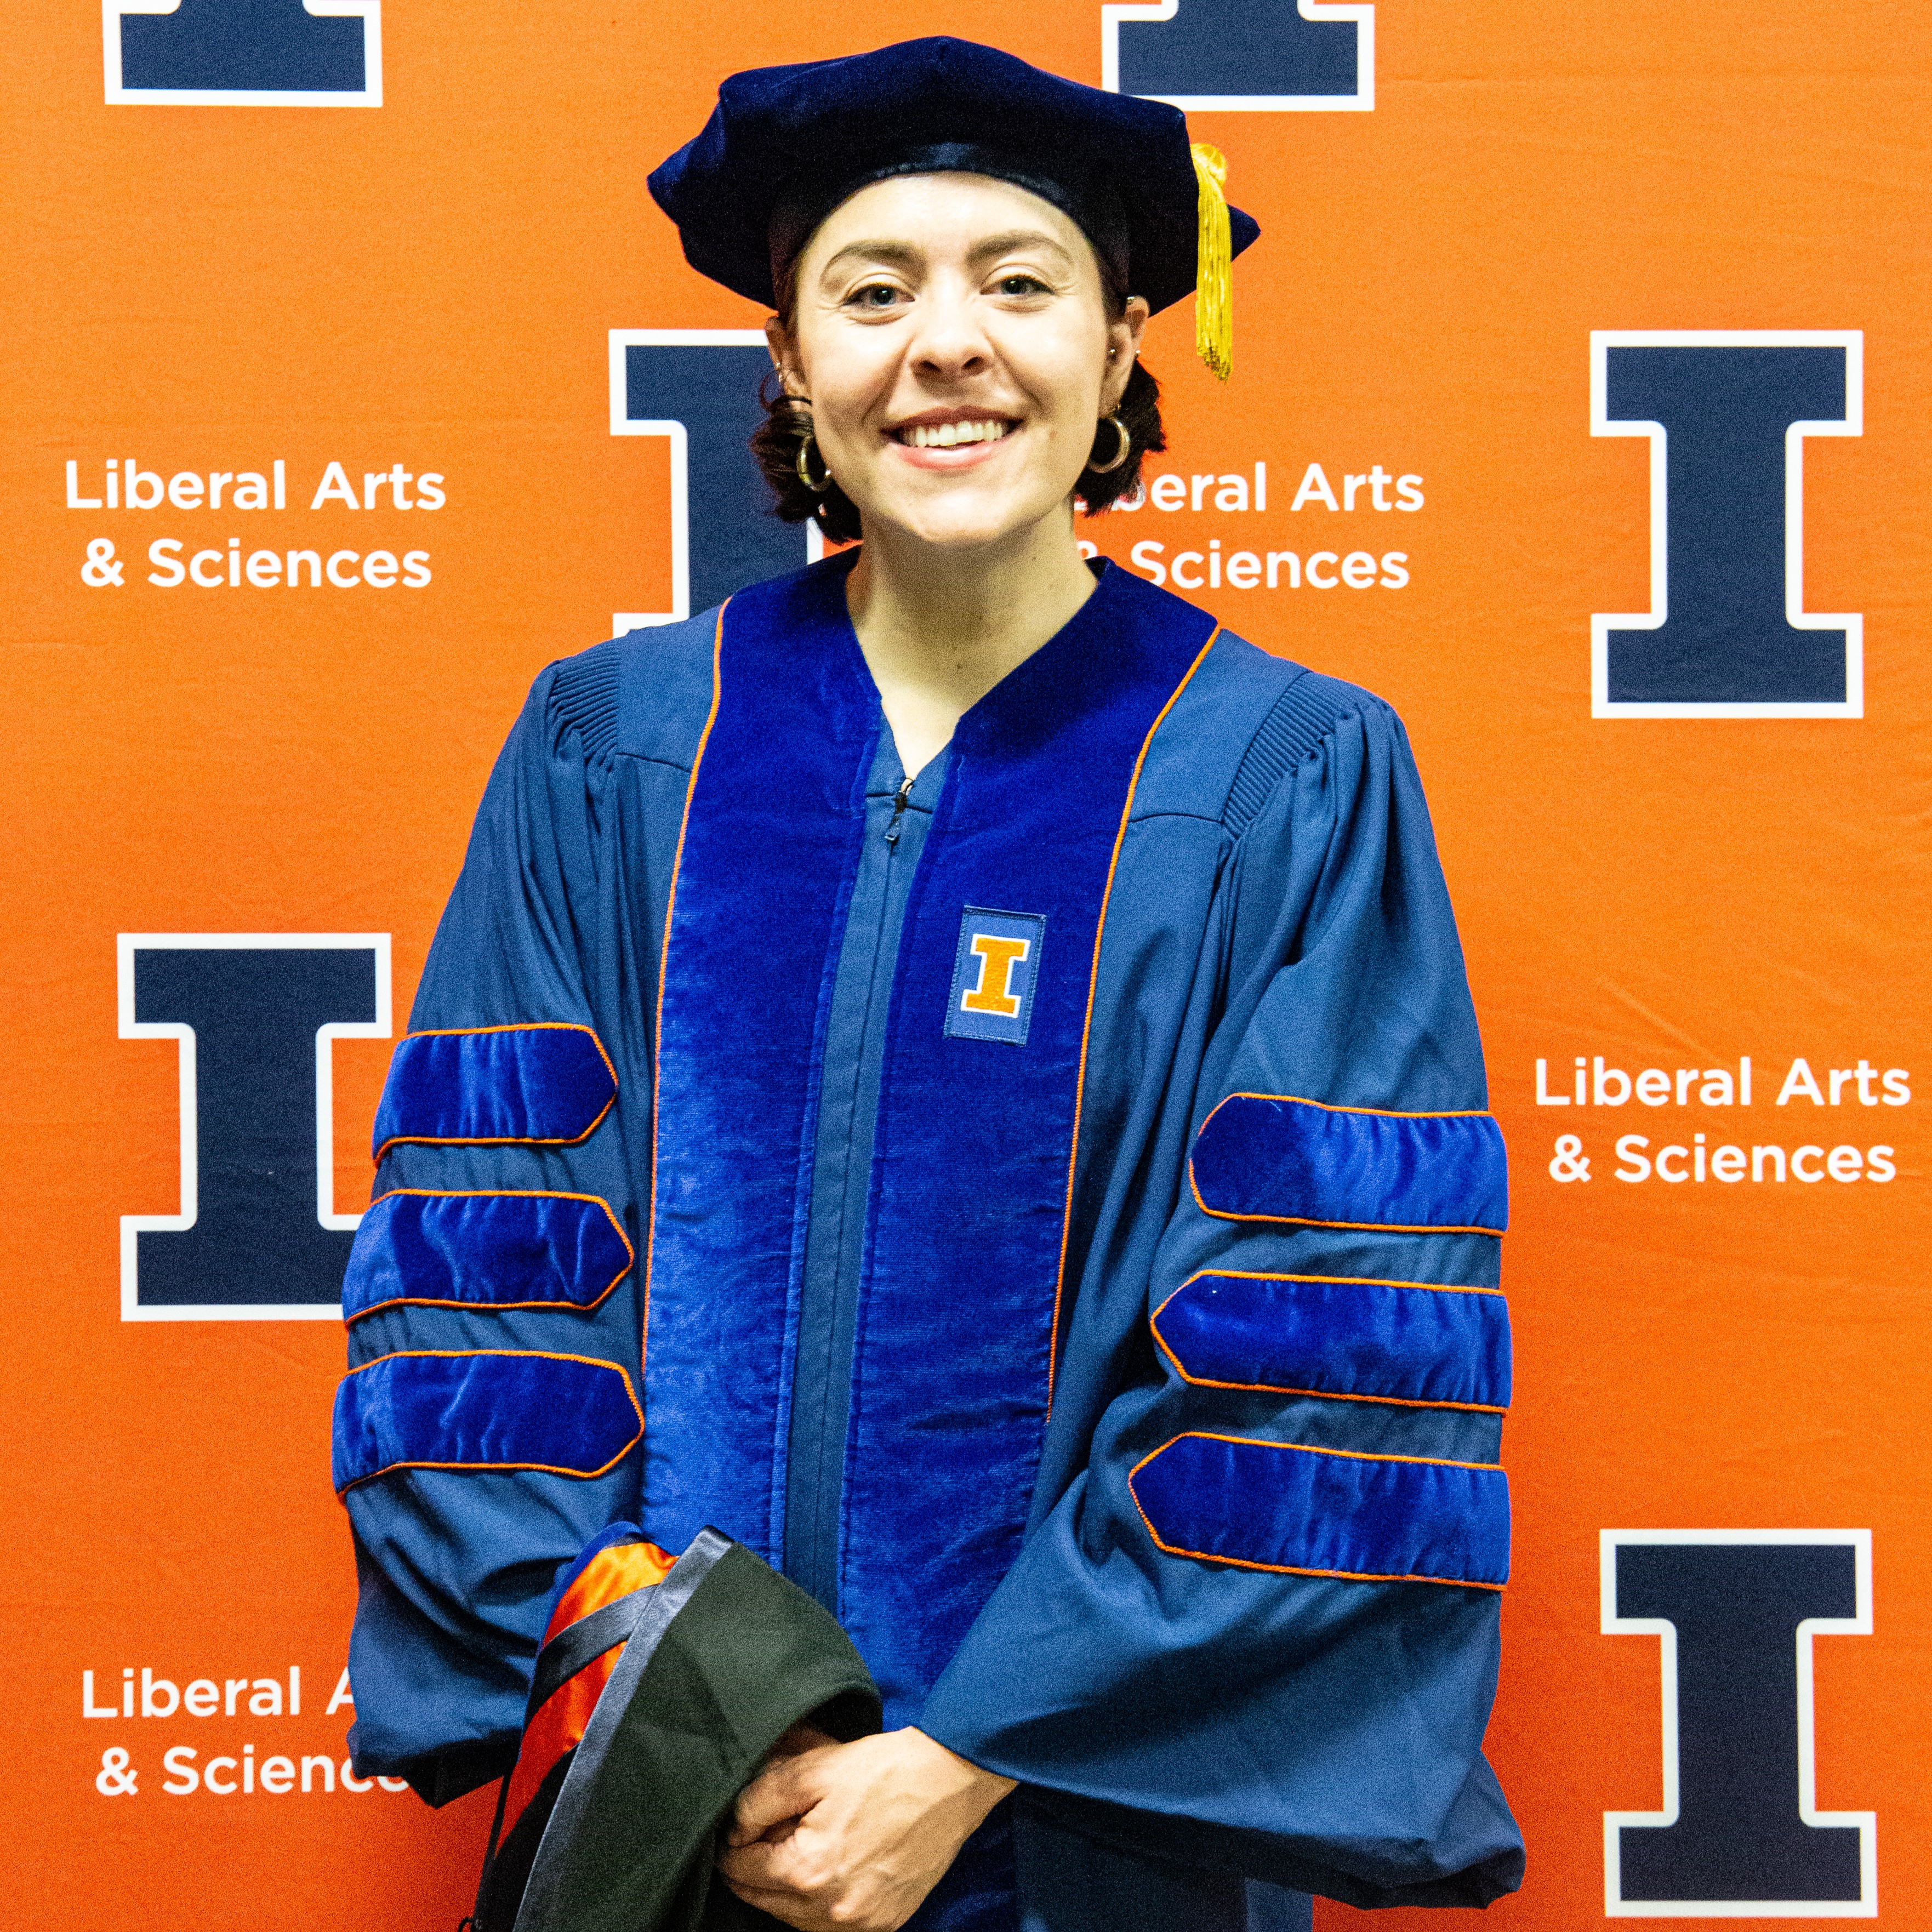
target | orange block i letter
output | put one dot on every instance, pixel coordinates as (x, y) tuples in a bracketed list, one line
[(998, 956), (994, 973)]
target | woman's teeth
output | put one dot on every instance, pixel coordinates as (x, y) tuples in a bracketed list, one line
[(943, 435)]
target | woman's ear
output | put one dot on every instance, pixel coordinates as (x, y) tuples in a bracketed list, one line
[(784, 357), (1123, 345)]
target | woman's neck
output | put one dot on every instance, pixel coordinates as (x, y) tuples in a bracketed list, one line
[(939, 628)]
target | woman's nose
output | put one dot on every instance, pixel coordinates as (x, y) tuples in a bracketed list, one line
[(949, 341)]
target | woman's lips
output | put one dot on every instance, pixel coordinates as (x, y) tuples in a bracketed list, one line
[(947, 435), (960, 455)]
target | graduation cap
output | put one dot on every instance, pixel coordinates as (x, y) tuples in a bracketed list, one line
[(660, 1690), (786, 145)]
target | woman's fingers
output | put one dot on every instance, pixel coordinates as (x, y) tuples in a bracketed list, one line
[(758, 1866), (772, 1805), (784, 1789), (870, 1828), (775, 1877)]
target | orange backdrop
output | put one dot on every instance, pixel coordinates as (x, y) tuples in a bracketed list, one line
[(432, 282)]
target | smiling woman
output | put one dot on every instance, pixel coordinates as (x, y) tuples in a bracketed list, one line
[(925, 906)]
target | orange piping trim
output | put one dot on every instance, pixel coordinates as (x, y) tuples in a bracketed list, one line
[(1325, 1395), (544, 1469), (498, 1307), (1296, 1569), (1300, 1448), (507, 1140), (1308, 1221), (1385, 1113), (528, 1026), (1342, 1280), (664, 964), (1086, 1024)]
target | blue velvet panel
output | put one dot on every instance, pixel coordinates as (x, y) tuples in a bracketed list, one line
[(546, 1082), (1272, 1157), (481, 1250), (1322, 1512), (952, 1353), (1382, 1341), (484, 1409), (952, 1368), (757, 908)]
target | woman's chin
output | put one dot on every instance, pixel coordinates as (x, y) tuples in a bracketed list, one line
[(958, 519)]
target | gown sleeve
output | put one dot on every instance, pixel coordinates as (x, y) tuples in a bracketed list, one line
[(492, 1277), (1256, 1628)]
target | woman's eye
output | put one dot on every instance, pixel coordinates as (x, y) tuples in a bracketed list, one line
[(1021, 285), (874, 295)]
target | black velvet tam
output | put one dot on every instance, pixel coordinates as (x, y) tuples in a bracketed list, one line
[(786, 145)]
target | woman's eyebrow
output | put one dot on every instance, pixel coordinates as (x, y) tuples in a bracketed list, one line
[(901, 254), (1016, 238)]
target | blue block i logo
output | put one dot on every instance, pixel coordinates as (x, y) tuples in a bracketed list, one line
[(1740, 1835), (1727, 634), (254, 1017), (698, 388), (244, 53), (1279, 56), (994, 975)]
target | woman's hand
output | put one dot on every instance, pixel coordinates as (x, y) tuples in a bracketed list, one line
[(832, 1838)]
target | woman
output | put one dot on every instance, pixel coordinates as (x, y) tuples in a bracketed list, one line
[(1021, 1030)]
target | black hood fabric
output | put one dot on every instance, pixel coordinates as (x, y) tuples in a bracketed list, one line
[(724, 1656)]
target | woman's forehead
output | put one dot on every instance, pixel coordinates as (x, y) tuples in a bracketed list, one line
[(925, 215)]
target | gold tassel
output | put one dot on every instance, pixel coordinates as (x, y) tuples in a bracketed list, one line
[(1213, 273)]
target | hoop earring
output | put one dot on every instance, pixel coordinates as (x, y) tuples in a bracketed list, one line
[(817, 485), (1125, 449)]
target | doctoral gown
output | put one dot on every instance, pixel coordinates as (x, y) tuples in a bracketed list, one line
[(1047, 1207)]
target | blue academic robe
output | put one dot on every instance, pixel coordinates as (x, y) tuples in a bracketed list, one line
[(1048, 1208)]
